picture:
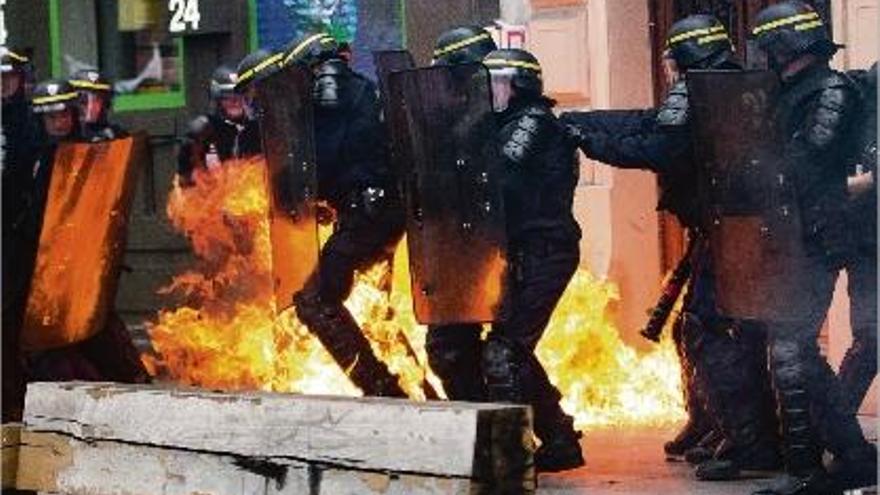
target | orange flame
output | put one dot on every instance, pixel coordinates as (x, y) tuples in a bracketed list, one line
[(227, 335)]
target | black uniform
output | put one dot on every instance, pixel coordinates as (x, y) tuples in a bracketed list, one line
[(814, 111), (212, 139), (19, 153), (355, 179), (543, 236), (723, 364), (859, 366)]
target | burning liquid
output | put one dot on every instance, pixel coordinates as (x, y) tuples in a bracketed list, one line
[(227, 335)]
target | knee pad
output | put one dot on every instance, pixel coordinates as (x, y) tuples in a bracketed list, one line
[(312, 311)]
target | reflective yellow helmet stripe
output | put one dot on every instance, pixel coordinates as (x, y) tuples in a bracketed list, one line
[(711, 38), (460, 44), (302, 46), (45, 100), (250, 73), (769, 26), (694, 33), (809, 25), (17, 57), (82, 84), (518, 64)]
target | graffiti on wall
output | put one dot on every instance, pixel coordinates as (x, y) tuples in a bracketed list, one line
[(368, 25)]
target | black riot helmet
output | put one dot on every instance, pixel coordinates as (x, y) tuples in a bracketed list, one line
[(788, 30), (310, 50), (54, 95), (462, 45), (520, 66), (95, 95), (13, 61), (57, 102), (698, 41), (17, 70), (255, 67), (223, 82)]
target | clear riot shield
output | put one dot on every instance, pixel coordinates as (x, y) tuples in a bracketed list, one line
[(444, 130), (287, 126), (82, 241), (748, 196)]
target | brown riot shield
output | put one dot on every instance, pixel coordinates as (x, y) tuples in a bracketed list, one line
[(748, 196), (287, 126), (444, 131), (388, 62), (82, 241)]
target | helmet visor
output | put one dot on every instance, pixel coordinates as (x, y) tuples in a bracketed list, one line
[(502, 88)]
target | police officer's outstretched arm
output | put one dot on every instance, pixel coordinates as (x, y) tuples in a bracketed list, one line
[(648, 146)]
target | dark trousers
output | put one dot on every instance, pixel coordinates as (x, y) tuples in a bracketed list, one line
[(812, 412), (538, 274), (724, 367), (455, 354), (859, 366), (361, 239)]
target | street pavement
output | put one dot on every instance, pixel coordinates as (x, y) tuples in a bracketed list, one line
[(631, 461)]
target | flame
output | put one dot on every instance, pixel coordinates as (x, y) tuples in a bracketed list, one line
[(228, 335)]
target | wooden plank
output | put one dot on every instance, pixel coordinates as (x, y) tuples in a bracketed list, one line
[(11, 434), (57, 463), (489, 443)]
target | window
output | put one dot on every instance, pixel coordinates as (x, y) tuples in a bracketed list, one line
[(127, 40)]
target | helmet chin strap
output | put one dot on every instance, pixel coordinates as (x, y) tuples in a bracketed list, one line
[(796, 66)]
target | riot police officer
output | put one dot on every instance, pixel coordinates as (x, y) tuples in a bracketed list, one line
[(55, 103), (355, 180), (18, 154), (230, 131), (814, 110), (455, 350), (723, 364), (540, 176), (95, 103), (859, 366), (463, 45), (110, 355)]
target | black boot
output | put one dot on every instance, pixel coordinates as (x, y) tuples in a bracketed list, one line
[(730, 460), (560, 449), (514, 375), (856, 469), (815, 482), (705, 448), (689, 436)]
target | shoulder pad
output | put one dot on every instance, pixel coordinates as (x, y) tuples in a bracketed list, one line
[(198, 126), (674, 110), (525, 134)]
